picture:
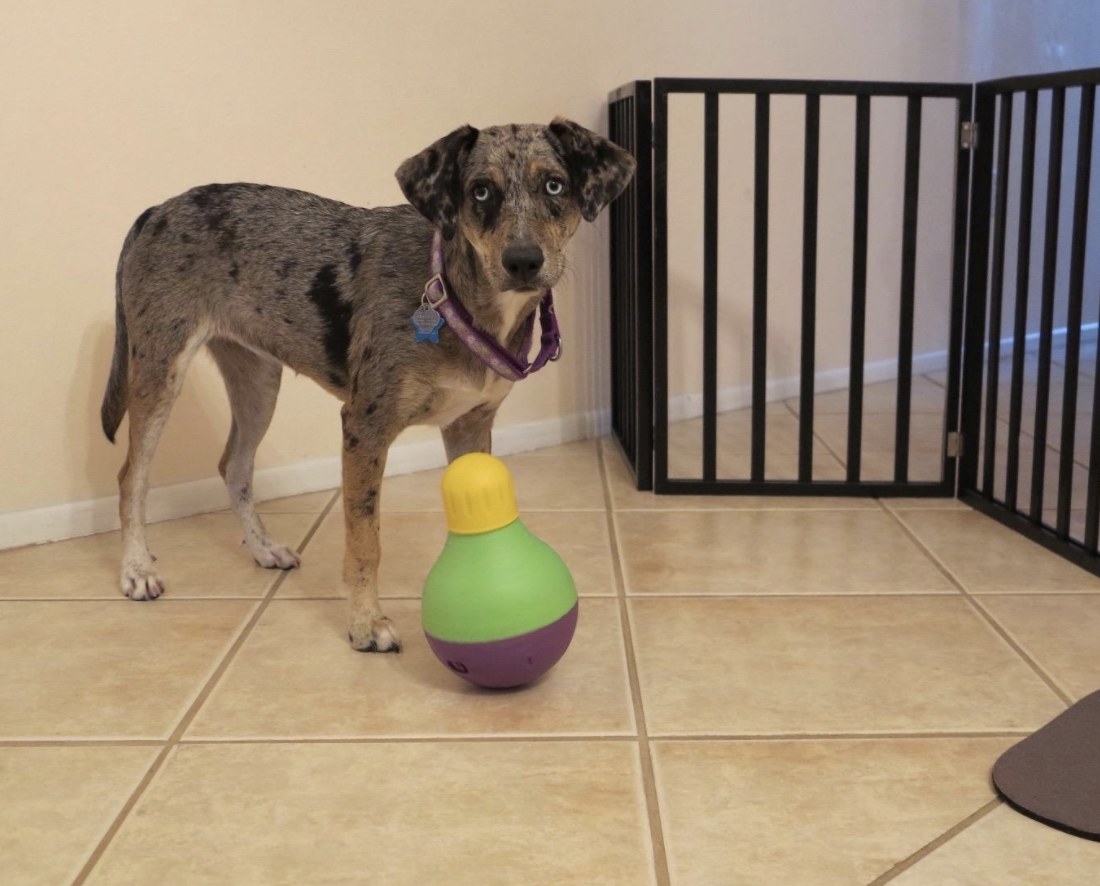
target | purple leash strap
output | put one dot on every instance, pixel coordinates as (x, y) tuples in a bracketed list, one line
[(486, 348)]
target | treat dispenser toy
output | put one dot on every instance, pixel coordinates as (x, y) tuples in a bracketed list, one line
[(499, 606)]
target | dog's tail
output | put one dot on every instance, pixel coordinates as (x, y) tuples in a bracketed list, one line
[(116, 396)]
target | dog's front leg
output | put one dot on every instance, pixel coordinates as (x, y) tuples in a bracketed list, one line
[(472, 432), (366, 441)]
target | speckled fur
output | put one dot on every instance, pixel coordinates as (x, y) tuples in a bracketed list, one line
[(265, 277)]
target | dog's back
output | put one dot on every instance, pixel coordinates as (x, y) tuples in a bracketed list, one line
[(273, 268)]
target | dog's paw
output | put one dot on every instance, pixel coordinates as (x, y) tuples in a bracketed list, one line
[(141, 583), (374, 634), (274, 556)]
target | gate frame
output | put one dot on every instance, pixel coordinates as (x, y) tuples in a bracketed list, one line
[(972, 291), (962, 94), (630, 116), (985, 296)]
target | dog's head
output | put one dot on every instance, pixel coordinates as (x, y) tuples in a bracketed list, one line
[(516, 194)]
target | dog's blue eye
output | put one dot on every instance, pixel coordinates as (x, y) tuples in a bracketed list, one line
[(554, 187), (481, 193)]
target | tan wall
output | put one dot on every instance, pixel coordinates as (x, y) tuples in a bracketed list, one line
[(107, 108)]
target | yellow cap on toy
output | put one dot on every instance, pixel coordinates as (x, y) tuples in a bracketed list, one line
[(478, 494)]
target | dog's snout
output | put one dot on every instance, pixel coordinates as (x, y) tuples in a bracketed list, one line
[(522, 262)]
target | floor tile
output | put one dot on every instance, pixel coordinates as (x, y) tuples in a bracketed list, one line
[(1008, 849), (58, 803), (624, 496), (325, 689), (411, 542), (1051, 471), (773, 552), (819, 812), (734, 449), (537, 476), (200, 556), (462, 813), (307, 503), (989, 558), (1059, 632), (926, 396), (79, 669), (1076, 522), (877, 445), (812, 665), (924, 504)]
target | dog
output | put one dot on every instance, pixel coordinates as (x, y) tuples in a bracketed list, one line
[(265, 277)]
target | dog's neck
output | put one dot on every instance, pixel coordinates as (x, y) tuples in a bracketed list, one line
[(499, 314)]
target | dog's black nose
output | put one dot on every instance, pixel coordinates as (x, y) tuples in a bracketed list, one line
[(522, 262)]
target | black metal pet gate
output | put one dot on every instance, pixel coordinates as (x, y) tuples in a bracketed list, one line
[(775, 229)]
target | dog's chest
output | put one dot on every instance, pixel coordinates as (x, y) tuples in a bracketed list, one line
[(456, 395)]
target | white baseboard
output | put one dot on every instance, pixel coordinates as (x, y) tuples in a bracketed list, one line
[(75, 519), (87, 517)]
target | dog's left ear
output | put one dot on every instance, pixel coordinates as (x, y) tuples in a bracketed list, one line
[(432, 180), (599, 169)]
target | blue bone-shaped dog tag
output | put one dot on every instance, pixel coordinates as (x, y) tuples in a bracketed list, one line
[(427, 322)]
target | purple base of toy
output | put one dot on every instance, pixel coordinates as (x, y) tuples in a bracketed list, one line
[(514, 661)]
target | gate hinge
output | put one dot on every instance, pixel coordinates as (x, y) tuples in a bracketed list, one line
[(954, 444), (968, 137)]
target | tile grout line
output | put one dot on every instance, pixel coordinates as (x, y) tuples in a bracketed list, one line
[(500, 738), (181, 727), (929, 848), (818, 438), (649, 782), (580, 737), (983, 613)]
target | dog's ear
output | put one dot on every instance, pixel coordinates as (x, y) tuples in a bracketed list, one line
[(599, 169), (432, 180)]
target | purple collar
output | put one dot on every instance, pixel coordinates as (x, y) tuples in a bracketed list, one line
[(488, 349)]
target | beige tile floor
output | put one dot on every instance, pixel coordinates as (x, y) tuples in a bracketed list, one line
[(761, 691)]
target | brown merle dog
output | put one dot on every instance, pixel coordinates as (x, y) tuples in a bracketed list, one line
[(266, 276)]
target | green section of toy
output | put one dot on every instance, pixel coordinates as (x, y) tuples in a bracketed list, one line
[(493, 585)]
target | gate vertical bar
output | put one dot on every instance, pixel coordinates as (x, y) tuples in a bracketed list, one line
[(629, 124), (961, 231), (660, 284), (908, 287), (644, 274), (1075, 307), (977, 276), (1092, 502), (809, 290), (996, 293), (710, 286), (760, 286), (1023, 287), (859, 286), (1046, 318), (623, 409)]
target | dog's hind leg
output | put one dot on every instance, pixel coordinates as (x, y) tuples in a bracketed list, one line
[(156, 374), (252, 382)]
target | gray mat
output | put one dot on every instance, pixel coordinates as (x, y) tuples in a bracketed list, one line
[(1054, 774)]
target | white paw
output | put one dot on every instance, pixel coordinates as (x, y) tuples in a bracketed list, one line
[(274, 556), (375, 633), (141, 583)]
